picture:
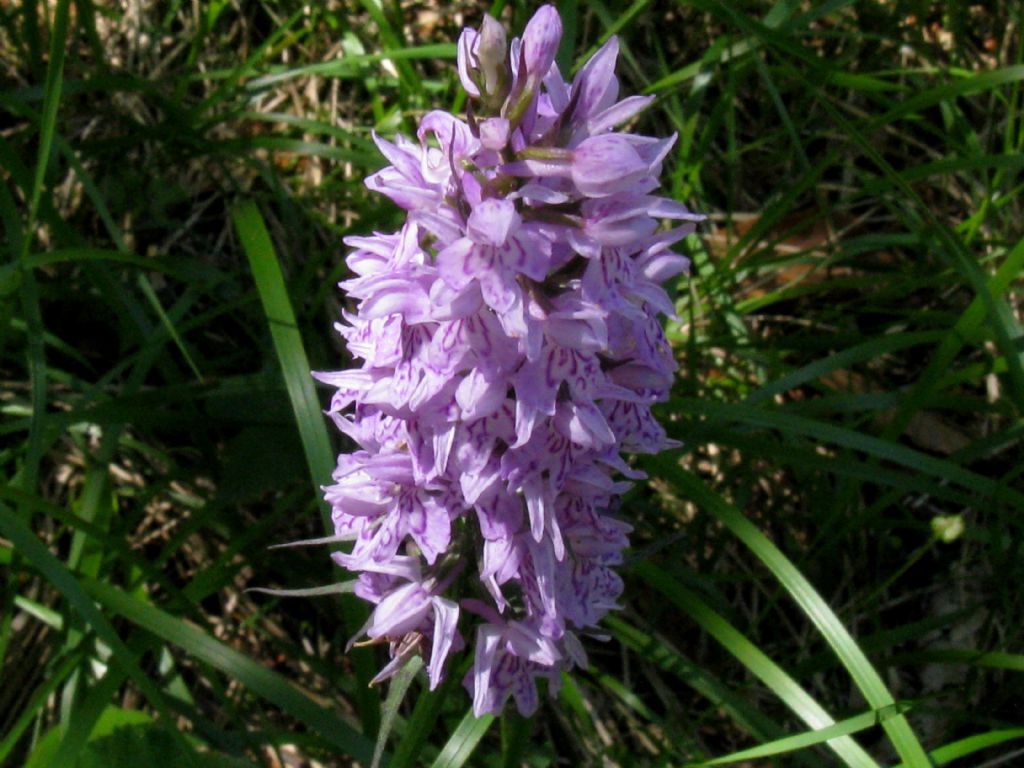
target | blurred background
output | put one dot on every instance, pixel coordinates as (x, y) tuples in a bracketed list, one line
[(175, 181)]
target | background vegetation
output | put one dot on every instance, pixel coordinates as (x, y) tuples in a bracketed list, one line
[(827, 574)]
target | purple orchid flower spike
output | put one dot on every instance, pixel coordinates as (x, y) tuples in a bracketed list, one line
[(510, 350)]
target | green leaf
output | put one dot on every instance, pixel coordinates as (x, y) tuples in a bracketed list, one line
[(36, 704), (954, 340), (51, 104), (767, 671), (126, 738), (288, 344), (421, 723), (29, 547), (397, 689), (753, 721), (291, 355), (823, 432), (515, 737), (832, 732), (817, 611), (150, 745), (109, 721), (262, 681), (462, 743), (976, 743), (392, 38)]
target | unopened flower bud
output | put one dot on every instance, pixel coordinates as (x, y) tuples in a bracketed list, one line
[(541, 37), (492, 50)]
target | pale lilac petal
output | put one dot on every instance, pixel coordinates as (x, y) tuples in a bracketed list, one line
[(531, 645), (389, 670), (664, 265), (500, 291), (494, 133), (447, 303), (488, 638), (454, 263), (500, 515), (400, 612), (446, 618), (467, 60), (400, 296), (492, 222), (595, 82), (524, 690), (536, 193), (618, 114), (478, 397), (664, 208), (404, 161), (430, 526), (603, 165)]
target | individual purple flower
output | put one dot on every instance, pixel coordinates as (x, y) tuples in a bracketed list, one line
[(510, 350), (508, 659), (407, 614)]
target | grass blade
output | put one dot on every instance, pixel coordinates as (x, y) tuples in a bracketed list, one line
[(29, 292), (397, 689), (262, 681), (463, 741), (767, 671), (291, 355), (29, 547), (36, 703), (739, 709), (288, 344), (51, 104), (421, 722), (817, 610), (971, 744), (852, 439), (836, 731)]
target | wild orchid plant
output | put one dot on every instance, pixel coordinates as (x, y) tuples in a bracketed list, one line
[(511, 350)]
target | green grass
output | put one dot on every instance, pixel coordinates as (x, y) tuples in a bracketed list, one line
[(176, 181)]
